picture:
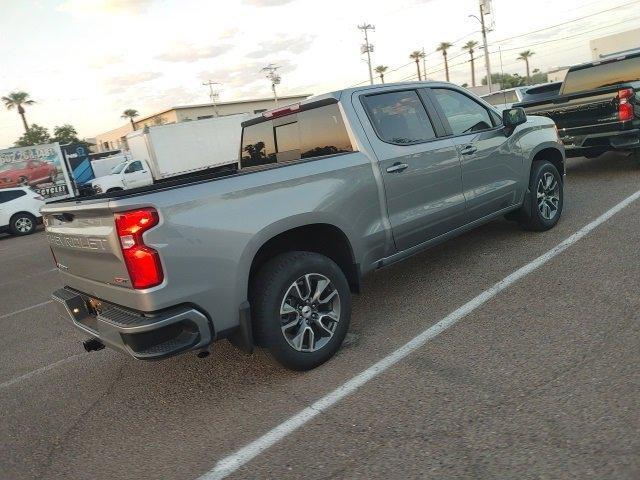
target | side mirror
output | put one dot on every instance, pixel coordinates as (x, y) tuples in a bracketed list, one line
[(513, 117)]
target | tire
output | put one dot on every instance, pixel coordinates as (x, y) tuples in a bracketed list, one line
[(539, 215), (22, 223), (276, 301)]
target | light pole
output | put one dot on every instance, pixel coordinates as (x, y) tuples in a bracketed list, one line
[(212, 94), (485, 4), (272, 75), (367, 47)]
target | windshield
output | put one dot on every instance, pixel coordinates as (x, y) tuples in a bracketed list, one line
[(118, 168)]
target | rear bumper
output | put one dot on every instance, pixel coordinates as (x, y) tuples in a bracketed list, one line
[(576, 145), (148, 336)]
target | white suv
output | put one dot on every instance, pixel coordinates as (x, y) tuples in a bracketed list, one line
[(20, 210)]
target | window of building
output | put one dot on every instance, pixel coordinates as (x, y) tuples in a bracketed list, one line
[(307, 134), (464, 114), (399, 117)]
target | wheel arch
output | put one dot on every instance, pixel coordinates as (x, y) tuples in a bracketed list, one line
[(320, 237), (551, 152)]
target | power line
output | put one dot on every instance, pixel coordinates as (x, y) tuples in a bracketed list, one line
[(567, 37), (566, 23)]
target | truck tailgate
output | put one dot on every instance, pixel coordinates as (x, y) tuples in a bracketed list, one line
[(85, 243), (574, 111)]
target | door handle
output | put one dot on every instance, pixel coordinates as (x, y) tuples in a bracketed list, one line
[(397, 167), (468, 150)]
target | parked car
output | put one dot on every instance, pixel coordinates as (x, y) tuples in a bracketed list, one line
[(597, 109), (20, 210), (504, 99), (29, 172), (509, 97), (329, 189)]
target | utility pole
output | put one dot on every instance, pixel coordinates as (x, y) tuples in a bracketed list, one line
[(367, 47), (272, 75), (212, 94), (485, 3)]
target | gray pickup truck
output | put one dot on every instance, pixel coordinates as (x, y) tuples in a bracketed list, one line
[(327, 190)]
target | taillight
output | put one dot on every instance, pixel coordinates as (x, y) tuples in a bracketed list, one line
[(143, 262), (625, 107)]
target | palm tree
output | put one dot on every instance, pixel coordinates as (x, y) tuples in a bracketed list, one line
[(417, 55), (470, 46), (17, 100), (444, 46), (525, 56), (130, 114), (380, 69)]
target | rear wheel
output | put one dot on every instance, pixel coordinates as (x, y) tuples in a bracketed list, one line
[(22, 224), (546, 198), (301, 308)]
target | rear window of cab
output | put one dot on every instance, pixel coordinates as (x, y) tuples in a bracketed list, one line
[(306, 134)]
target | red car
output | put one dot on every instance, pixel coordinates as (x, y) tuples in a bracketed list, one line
[(30, 172)]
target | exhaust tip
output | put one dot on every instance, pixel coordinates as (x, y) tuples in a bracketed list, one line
[(92, 345)]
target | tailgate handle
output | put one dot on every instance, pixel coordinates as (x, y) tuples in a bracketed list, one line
[(64, 217)]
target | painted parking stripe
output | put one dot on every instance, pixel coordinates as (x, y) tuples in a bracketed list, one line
[(241, 457), (25, 309), (38, 371)]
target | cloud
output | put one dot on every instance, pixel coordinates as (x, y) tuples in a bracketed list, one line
[(121, 83), (105, 61), (245, 74), (118, 7), (295, 45), (266, 3), (190, 53)]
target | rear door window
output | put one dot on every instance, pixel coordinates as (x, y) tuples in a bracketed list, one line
[(399, 117), (310, 133), (464, 114), (602, 75)]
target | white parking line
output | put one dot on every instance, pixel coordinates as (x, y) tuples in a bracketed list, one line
[(38, 371), (233, 462), (26, 309)]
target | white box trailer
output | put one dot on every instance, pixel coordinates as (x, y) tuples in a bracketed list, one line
[(181, 148)]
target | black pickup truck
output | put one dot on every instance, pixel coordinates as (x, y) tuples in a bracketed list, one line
[(597, 108)]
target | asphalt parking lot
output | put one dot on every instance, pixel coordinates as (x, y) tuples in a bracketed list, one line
[(540, 382)]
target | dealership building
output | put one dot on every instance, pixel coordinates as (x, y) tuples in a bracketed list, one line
[(116, 139)]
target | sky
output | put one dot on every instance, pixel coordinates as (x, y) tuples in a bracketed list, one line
[(85, 61)]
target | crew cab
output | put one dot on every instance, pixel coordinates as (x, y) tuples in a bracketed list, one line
[(597, 109), (328, 190)]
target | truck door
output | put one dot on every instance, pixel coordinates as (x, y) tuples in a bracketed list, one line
[(137, 175), (421, 172), (491, 162)]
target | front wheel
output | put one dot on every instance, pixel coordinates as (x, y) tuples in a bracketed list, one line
[(22, 224), (301, 308), (546, 198)]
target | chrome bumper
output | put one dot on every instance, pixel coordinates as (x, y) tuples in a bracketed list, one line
[(143, 336)]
